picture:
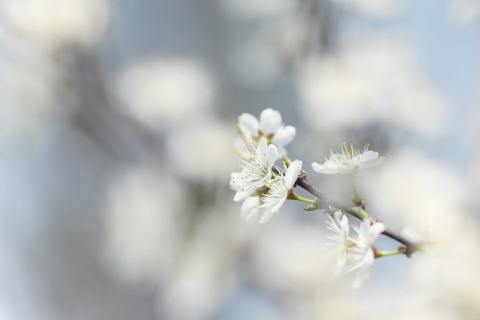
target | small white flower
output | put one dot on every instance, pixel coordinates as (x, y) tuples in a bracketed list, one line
[(339, 239), (279, 189), (361, 256), (256, 172), (349, 161), (270, 127)]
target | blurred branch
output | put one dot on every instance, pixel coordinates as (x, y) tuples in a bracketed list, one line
[(97, 113)]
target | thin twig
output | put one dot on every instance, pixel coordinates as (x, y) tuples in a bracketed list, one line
[(324, 203)]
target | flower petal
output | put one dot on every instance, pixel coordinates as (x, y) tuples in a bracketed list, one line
[(327, 168), (267, 216), (270, 120), (244, 193), (250, 123), (272, 154), (284, 136), (364, 272), (371, 163), (292, 173), (250, 208), (235, 177)]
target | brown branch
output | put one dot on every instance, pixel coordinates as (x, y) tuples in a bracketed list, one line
[(322, 202)]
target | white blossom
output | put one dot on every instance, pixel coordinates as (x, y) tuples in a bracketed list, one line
[(279, 189), (361, 256), (270, 127), (349, 161), (154, 92), (339, 238), (353, 253), (256, 172)]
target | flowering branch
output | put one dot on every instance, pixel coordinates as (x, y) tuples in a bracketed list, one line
[(322, 202), (264, 187)]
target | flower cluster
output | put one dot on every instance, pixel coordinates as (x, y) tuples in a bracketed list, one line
[(264, 188)]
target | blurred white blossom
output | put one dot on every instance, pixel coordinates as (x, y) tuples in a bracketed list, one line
[(412, 186), (194, 149), (30, 104), (159, 92), (266, 55), (463, 11), (288, 257), (367, 83), (193, 290), (56, 23), (141, 226)]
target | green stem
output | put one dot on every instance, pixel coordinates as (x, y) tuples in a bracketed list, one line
[(352, 178), (363, 214), (287, 160), (379, 253), (293, 196)]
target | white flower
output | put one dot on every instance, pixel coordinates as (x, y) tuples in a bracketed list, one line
[(349, 161), (255, 173), (353, 253), (361, 256), (340, 240), (279, 189), (270, 126)]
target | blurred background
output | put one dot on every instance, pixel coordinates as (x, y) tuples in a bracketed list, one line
[(117, 123)]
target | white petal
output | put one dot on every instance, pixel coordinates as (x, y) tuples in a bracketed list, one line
[(250, 208), (284, 136), (344, 223), (243, 193), (369, 155), (371, 163), (361, 277), (234, 178), (279, 204), (250, 123), (292, 173), (262, 145), (321, 168), (267, 216), (270, 120), (272, 154), (376, 229)]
